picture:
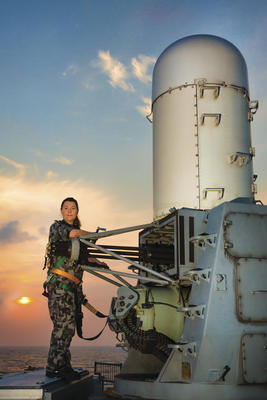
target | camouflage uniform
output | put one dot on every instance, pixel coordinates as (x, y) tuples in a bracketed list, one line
[(61, 302)]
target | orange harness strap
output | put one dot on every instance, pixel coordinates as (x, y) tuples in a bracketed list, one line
[(66, 275)]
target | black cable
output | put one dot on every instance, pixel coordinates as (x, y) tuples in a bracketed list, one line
[(164, 304)]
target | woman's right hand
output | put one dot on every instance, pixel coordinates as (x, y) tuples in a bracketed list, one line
[(100, 264), (103, 265)]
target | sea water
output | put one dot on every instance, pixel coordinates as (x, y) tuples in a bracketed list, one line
[(16, 359)]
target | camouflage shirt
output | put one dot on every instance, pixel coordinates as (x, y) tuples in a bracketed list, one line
[(60, 230)]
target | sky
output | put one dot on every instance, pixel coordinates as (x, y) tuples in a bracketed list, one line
[(75, 79)]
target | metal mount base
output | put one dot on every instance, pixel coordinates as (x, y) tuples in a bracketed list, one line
[(187, 391)]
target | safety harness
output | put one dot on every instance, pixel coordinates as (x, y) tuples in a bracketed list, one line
[(66, 275), (62, 285), (72, 286)]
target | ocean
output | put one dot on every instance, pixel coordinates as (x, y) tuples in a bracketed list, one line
[(16, 359)]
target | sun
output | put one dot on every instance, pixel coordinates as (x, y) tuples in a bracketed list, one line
[(24, 300)]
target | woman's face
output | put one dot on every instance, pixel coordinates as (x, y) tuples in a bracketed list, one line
[(69, 212)]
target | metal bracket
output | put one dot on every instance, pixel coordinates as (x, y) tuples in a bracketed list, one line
[(200, 81), (254, 188), (204, 240), (228, 245), (216, 116), (126, 299), (198, 274), (215, 88), (221, 282), (253, 106), (149, 117), (188, 349), (258, 291), (240, 158), (219, 190), (193, 311), (252, 151), (227, 222)]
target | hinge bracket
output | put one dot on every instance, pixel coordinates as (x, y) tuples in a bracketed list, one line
[(253, 106), (204, 240), (188, 349), (193, 311), (240, 158), (197, 274)]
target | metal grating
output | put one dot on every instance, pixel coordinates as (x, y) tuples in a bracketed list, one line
[(107, 371)]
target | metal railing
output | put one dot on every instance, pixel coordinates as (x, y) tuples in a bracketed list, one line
[(107, 372)]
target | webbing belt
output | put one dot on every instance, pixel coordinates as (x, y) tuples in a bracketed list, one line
[(66, 275), (79, 317), (92, 309)]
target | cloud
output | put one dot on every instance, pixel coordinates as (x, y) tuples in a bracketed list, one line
[(146, 108), (38, 153), (88, 83), (37, 203), (19, 167), (63, 160), (43, 230), (115, 70), (71, 70), (140, 67), (10, 233), (51, 174)]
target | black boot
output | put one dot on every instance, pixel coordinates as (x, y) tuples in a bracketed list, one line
[(67, 374)]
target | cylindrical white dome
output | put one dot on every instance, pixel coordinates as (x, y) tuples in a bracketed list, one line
[(199, 56), (202, 152)]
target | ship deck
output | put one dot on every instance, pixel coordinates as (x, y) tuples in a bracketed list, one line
[(35, 385)]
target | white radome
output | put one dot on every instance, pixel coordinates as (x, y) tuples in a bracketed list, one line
[(202, 152)]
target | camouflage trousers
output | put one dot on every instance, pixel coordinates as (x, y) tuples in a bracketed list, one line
[(61, 304)]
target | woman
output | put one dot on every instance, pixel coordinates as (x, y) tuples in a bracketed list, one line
[(64, 279)]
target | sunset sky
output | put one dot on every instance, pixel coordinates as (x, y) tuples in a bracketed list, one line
[(75, 88)]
